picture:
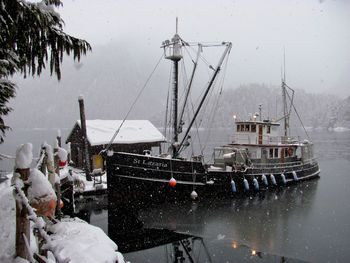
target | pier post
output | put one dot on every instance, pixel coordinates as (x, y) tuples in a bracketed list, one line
[(22, 221), (84, 137)]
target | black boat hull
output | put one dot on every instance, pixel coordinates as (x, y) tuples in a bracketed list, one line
[(141, 177)]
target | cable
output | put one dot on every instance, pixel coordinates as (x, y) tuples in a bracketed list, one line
[(132, 106)]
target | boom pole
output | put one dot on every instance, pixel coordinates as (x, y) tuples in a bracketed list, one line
[(228, 48)]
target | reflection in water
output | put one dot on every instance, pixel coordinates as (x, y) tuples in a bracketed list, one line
[(268, 221), (221, 230)]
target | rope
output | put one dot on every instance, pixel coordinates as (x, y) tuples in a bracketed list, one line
[(222, 82), (40, 162), (132, 106), (39, 223), (7, 156), (302, 124)]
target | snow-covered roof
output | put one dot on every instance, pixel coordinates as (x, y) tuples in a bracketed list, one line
[(133, 131)]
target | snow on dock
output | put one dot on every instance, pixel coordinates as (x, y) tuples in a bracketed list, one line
[(27, 204), (71, 238)]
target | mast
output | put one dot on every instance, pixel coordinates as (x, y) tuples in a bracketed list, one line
[(284, 98), (172, 50)]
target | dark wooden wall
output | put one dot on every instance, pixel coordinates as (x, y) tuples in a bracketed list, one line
[(77, 144)]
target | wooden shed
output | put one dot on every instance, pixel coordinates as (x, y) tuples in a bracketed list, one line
[(135, 136)]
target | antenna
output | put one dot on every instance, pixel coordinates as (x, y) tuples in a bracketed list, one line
[(176, 24), (284, 64)]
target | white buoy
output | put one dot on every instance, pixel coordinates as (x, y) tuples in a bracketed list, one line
[(256, 184), (246, 184), (264, 179), (273, 179), (194, 195), (295, 177), (283, 178), (233, 186)]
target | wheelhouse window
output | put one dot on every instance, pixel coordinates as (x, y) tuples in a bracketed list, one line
[(268, 130), (288, 152), (238, 127), (253, 129), (273, 153), (247, 128)]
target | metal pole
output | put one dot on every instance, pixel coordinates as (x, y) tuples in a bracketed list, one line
[(175, 102)]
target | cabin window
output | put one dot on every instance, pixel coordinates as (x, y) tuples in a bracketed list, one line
[(268, 129), (247, 127), (253, 128), (273, 153), (238, 127), (288, 152)]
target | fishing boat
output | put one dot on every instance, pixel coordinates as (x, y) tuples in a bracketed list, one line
[(259, 157)]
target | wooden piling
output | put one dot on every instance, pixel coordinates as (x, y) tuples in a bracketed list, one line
[(57, 185), (22, 221), (84, 137)]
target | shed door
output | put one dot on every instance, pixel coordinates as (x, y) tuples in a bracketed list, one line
[(97, 161)]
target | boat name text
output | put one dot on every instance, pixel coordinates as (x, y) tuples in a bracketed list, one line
[(150, 163)]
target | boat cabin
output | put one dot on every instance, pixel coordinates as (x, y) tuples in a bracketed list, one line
[(256, 132), (260, 142)]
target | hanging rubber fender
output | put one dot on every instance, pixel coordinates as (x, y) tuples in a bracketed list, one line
[(246, 184), (194, 195), (256, 184), (273, 179), (283, 177), (264, 179), (233, 186), (295, 177)]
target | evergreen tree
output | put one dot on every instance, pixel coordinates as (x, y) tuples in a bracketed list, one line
[(31, 35)]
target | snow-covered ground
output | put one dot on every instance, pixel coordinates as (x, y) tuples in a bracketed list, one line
[(72, 238)]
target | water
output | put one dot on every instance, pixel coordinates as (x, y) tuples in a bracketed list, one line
[(306, 222)]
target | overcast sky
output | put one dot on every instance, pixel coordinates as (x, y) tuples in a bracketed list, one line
[(314, 33)]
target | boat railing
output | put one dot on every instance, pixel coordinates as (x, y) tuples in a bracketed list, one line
[(284, 164), (263, 139)]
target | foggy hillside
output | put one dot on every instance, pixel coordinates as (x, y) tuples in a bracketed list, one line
[(316, 110), (111, 76)]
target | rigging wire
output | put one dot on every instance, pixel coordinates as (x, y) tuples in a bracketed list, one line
[(214, 82), (302, 124), (222, 82), (132, 106)]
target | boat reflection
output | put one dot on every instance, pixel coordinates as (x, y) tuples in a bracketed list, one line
[(141, 244), (223, 230)]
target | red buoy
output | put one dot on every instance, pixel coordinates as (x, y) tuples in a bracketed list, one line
[(172, 182)]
